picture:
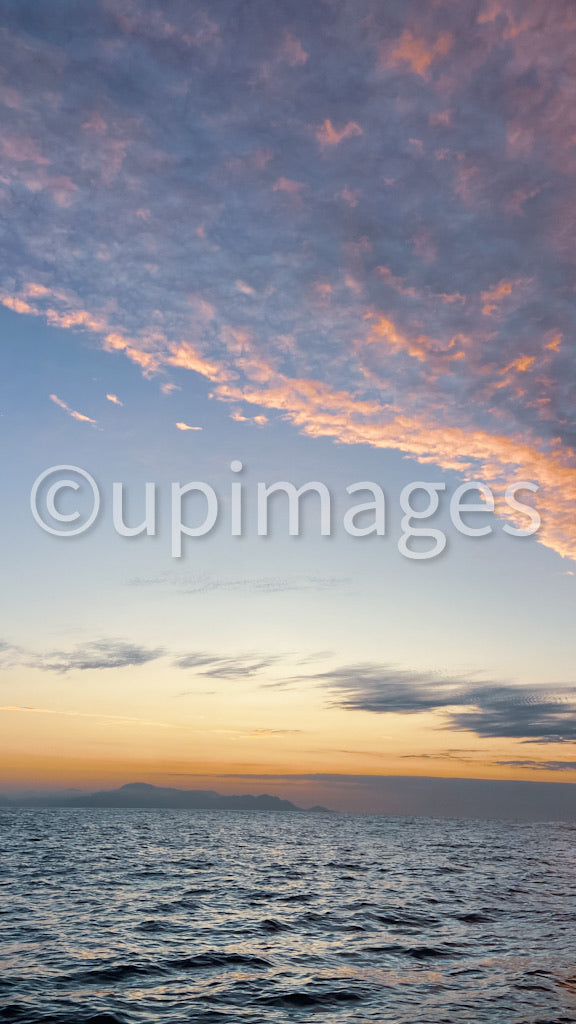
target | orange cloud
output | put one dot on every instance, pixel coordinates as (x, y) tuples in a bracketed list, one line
[(400, 286), (79, 318), (555, 344), (510, 372), (320, 412), (328, 135), (397, 283), (451, 297), (72, 412), (494, 296), (186, 426), (418, 53), (186, 356), (17, 305), (148, 361), (114, 399), (260, 420), (523, 363), (36, 290), (421, 347)]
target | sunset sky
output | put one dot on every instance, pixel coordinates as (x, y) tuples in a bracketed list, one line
[(332, 240)]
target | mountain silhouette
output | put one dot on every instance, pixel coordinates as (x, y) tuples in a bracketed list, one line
[(143, 794)]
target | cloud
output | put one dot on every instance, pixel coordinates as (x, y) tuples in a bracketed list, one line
[(144, 22), (289, 54), (544, 766), (328, 135), (286, 185), (97, 655), (189, 583), (292, 50), (417, 53), (437, 145), (114, 399), (492, 298), (443, 755), (489, 709), (259, 421), (186, 426), (10, 654), (72, 412), (226, 667)]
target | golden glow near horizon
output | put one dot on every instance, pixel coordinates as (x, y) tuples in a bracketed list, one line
[(183, 739)]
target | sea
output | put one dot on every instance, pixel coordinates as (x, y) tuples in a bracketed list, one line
[(165, 917)]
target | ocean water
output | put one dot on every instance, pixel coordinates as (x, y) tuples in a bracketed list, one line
[(186, 916)]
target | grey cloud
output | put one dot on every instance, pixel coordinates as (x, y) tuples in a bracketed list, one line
[(490, 709), (545, 766), (442, 755), (97, 654), (218, 666), (7, 648)]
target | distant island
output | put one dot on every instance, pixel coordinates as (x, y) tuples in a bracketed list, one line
[(142, 794)]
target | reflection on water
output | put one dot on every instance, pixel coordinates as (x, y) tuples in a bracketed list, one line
[(201, 916)]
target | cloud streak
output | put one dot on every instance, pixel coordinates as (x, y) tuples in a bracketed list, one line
[(216, 666), (544, 766), (190, 583), (490, 709), (72, 412)]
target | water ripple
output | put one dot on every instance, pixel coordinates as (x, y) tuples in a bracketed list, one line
[(165, 917)]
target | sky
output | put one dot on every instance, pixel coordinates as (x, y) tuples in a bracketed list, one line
[(246, 243)]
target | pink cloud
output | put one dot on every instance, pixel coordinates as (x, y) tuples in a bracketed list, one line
[(22, 149), (350, 196), (292, 50)]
